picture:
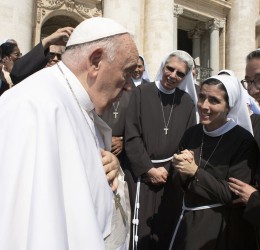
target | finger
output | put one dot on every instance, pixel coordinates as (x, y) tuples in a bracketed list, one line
[(116, 151), (107, 159), (235, 191), (236, 181), (234, 186), (114, 184), (191, 152), (115, 146), (178, 157), (184, 151), (111, 175)]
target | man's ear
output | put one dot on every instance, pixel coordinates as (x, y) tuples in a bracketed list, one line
[(95, 59)]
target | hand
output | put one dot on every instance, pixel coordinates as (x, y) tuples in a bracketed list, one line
[(59, 37), (185, 163), (157, 176), (111, 166), (117, 145), (241, 189)]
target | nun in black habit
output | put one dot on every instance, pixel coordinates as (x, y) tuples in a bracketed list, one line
[(220, 147), (158, 114)]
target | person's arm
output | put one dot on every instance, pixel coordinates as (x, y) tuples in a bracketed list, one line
[(248, 195), (209, 187), (140, 161), (38, 57), (252, 211)]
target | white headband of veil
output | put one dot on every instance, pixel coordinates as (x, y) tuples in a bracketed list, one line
[(187, 83), (226, 72), (237, 101), (253, 106), (145, 75)]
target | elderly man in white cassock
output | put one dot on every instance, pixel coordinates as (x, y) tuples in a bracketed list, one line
[(57, 176)]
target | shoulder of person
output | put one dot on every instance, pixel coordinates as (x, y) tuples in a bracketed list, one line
[(184, 96), (242, 134)]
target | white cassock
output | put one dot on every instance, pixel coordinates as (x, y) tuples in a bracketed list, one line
[(54, 193)]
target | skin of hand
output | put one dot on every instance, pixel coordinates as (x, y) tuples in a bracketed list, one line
[(184, 163), (59, 37), (241, 189), (111, 166), (117, 145), (157, 176)]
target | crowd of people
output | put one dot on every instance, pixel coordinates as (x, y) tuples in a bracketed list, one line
[(96, 155)]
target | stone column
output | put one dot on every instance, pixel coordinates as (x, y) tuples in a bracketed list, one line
[(195, 36), (240, 37), (214, 25), (17, 20), (158, 33), (177, 11), (127, 13)]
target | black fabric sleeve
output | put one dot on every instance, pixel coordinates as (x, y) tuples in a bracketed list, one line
[(137, 155), (241, 167), (33, 61), (252, 211)]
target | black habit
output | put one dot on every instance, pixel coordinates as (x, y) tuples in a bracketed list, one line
[(115, 118), (145, 140), (223, 227)]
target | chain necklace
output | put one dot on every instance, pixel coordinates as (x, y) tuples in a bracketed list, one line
[(77, 101), (201, 149), (115, 113), (166, 124)]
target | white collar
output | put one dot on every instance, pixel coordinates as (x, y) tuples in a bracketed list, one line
[(222, 130), (162, 89), (137, 81), (82, 95)]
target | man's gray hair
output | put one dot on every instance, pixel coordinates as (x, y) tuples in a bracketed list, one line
[(109, 44)]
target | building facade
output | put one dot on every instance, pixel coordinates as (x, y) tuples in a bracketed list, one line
[(217, 33)]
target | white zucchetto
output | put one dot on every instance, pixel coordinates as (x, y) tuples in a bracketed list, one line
[(103, 27)]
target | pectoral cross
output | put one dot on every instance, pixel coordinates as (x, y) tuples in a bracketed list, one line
[(166, 130), (118, 205), (115, 114)]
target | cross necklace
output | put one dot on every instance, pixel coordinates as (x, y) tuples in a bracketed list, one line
[(115, 113), (166, 124)]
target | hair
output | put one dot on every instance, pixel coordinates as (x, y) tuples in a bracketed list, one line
[(7, 49), (219, 84), (252, 55), (80, 51), (183, 56)]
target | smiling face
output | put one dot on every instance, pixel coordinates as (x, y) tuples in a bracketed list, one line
[(12, 53), (173, 72), (212, 106), (139, 70)]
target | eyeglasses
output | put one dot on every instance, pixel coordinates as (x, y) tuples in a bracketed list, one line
[(171, 70), (248, 83), (53, 54)]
